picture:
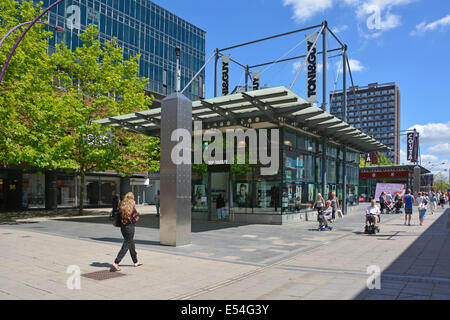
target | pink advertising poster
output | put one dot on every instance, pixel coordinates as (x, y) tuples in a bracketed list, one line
[(392, 188)]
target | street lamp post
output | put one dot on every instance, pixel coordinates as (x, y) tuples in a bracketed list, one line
[(19, 39), (59, 29)]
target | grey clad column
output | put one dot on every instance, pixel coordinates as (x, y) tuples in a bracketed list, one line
[(125, 186), (175, 219)]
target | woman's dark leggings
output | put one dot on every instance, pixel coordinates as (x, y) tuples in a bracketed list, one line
[(128, 243)]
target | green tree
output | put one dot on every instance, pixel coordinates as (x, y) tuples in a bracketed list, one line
[(440, 182), (31, 129), (97, 82)]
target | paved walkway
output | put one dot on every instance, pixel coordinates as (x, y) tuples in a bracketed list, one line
[(227, 261)]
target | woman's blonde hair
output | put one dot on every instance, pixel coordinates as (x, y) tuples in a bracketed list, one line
[(127, 205)]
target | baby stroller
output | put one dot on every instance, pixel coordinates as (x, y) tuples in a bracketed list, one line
[(323, 225), (390, 207)]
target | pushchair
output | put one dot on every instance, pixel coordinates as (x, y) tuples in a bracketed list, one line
[(389, 207)]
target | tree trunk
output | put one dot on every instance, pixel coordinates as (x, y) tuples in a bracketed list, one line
[(82, 175)]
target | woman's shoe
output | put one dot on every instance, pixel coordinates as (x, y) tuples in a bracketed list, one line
[(115, 267), (137, 264)]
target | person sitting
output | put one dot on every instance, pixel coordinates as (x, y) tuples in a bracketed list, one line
[(327, 215), (373, 210)]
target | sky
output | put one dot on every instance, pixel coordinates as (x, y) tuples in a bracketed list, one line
[(402, 41)]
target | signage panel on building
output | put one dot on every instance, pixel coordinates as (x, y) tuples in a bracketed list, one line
[(311, 67), (411, 144), (225, 74), (255, 79)]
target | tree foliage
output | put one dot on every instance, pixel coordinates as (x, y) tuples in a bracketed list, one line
[(48, 103)]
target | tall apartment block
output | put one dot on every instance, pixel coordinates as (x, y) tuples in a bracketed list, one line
[(375, 110), (141, 27)]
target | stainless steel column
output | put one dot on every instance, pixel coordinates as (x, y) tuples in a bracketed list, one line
[(344, 118), (175, 218)]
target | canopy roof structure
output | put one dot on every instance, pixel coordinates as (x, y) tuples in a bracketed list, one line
[(263, 108)]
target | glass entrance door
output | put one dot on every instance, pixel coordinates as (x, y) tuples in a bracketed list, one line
[(220, 195)]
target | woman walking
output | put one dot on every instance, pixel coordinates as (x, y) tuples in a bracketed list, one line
[(334, 205), (422, 202), (319, 204), (433, 201), (129, 216)]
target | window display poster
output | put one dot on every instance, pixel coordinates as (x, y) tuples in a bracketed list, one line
[(242, 194), (65, 196), (310, 192), (200, 194)]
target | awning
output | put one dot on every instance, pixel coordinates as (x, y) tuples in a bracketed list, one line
[(264, 108)]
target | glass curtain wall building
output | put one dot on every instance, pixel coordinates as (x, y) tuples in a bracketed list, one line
[(141, 27)]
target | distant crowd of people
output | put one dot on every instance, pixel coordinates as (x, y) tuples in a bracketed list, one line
[(426, 202)]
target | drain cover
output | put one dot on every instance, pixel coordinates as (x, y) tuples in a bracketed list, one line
[(102, 275)]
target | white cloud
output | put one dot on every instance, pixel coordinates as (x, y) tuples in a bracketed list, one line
[(438, 24), (427, 158), (355, 65), (442, 149), (339, 29), (377, 15), (433, 133), (306, 9)]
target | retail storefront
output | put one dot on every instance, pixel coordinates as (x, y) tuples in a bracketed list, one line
[(395, 174), (27, 189), (318, 153)]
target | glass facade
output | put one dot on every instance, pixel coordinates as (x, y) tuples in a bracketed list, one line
[(293, 189), (141, 27), (33, 191), (99, 190)]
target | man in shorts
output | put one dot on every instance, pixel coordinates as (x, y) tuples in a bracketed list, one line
[(409, 200)]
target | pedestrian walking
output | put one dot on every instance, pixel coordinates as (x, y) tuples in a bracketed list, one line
[(157, 202), (319, 204), (130, 216), (422, 202), (433, 201), (115, 206), (382, 202), (442, 200), (334, 205), (220, 204), (409, 200)]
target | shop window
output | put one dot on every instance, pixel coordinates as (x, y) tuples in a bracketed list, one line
[(33, 191), (66, 194)]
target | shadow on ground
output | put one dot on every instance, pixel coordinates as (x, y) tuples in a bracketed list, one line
[(421, 271), (151, 221)]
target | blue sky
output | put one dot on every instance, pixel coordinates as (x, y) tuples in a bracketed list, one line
[(402, 41)]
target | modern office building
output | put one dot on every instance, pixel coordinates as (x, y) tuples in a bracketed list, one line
[(141, 27), (375, 110)]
